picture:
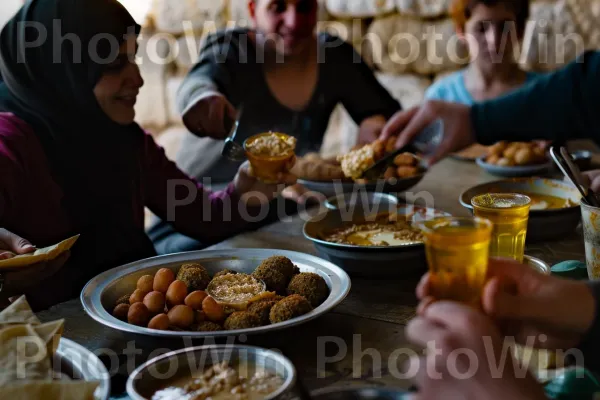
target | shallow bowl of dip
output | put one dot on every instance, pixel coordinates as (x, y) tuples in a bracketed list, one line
[(554, 209), (266, 373)]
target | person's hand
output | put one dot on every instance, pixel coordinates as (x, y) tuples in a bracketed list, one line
[(256, 192), (458, 131), (464, 357), (302, 195), (212, 117), (18, 281), (528, 305), (591, 179), (370, 129)]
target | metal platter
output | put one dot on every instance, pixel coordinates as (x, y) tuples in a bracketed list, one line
[(515, 171), (77, 362), (101, 293), (369, 261), (331, 189)]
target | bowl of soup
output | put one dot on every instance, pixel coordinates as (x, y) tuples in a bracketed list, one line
[(554, 204)]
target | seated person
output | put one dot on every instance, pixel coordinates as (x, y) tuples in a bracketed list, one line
[(485, 27), (73, 160), (284, 78)]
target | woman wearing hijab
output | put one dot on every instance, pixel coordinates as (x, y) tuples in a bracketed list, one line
[(74, 162)]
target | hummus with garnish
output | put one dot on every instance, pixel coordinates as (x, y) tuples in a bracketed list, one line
[(272, 145), (382, 232), (235, 290)]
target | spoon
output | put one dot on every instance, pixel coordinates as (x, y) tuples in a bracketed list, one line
[(231, 149)]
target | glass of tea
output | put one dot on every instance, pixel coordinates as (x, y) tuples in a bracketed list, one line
[(457, 252), (509, 212), (270, 154)]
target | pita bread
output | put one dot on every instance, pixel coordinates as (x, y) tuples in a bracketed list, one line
[(49, 390), (40, 255), (19, 312), (50, 333), (23, 356)]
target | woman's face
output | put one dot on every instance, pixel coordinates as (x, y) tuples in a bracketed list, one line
[(117, 89), (293, 21), (490, 32)]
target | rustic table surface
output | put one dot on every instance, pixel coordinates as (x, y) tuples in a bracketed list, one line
[(361, 342)]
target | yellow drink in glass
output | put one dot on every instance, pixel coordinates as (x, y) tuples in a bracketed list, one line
[(457, 252), (509, 213)]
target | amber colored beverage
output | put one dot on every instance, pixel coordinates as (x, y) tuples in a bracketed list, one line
[(267, 168), (509, 213), (457, 252)]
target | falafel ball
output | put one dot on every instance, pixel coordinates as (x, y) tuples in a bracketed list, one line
[(262, 308), (275, 280), (291, 307), (310, 285), (241, 320), (207, 326), (195, 276), (224, 272), (282, 264)]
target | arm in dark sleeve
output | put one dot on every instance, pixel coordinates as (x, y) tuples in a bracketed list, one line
[(360, 92), (193, 210), (215, 71), (559, 106), (590, 346)]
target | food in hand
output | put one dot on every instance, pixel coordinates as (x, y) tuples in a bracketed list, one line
[(271, 145), (232, 300), (317, 170), (356, 162), (176, 293), (160, 322), (163, 279), (507, 154)]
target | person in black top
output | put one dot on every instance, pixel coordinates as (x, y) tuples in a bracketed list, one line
[(283, 77)]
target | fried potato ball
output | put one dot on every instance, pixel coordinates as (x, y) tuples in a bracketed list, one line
[(405, 160)]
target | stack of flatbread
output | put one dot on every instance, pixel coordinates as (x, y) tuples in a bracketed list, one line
[(27, 350)]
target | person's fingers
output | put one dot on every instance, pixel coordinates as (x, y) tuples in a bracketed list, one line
[(500, 303), (421, 331), (398, 122), (288, 179), (217, 117), (595, 184), (6, 255), (14, 243), (424, 286), (415, 368), (456, 316), (420, 121), (424, 304)]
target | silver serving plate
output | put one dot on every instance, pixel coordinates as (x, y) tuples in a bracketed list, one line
[(333, 188), (543, 224), (142, 383), (515, 171), (101, 293), (366, 393), (369, 261), (77, 362)]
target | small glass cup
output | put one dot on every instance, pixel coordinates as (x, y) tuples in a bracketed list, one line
[(509, 212), (457, 252), (268, 167), (591, 233)]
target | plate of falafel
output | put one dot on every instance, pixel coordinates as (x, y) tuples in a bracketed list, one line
[(215, 293)]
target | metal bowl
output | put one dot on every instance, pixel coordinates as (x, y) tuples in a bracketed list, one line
[(515, 171), (144, 381), (101, 293), (336, 188), (77, 362), (372, 261), (380, 200), (368, 393), (543, 224)]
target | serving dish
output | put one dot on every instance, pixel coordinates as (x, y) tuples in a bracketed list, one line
[(383, 200), (142, 383), (102, 292), (515, 171), (367, 393), (337, 188), (372, 261), (543, 224), (77, 362)]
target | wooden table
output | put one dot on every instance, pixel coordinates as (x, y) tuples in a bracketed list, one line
[(361, 343)]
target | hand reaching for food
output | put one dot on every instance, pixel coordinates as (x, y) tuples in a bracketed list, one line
[(256, 191)]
